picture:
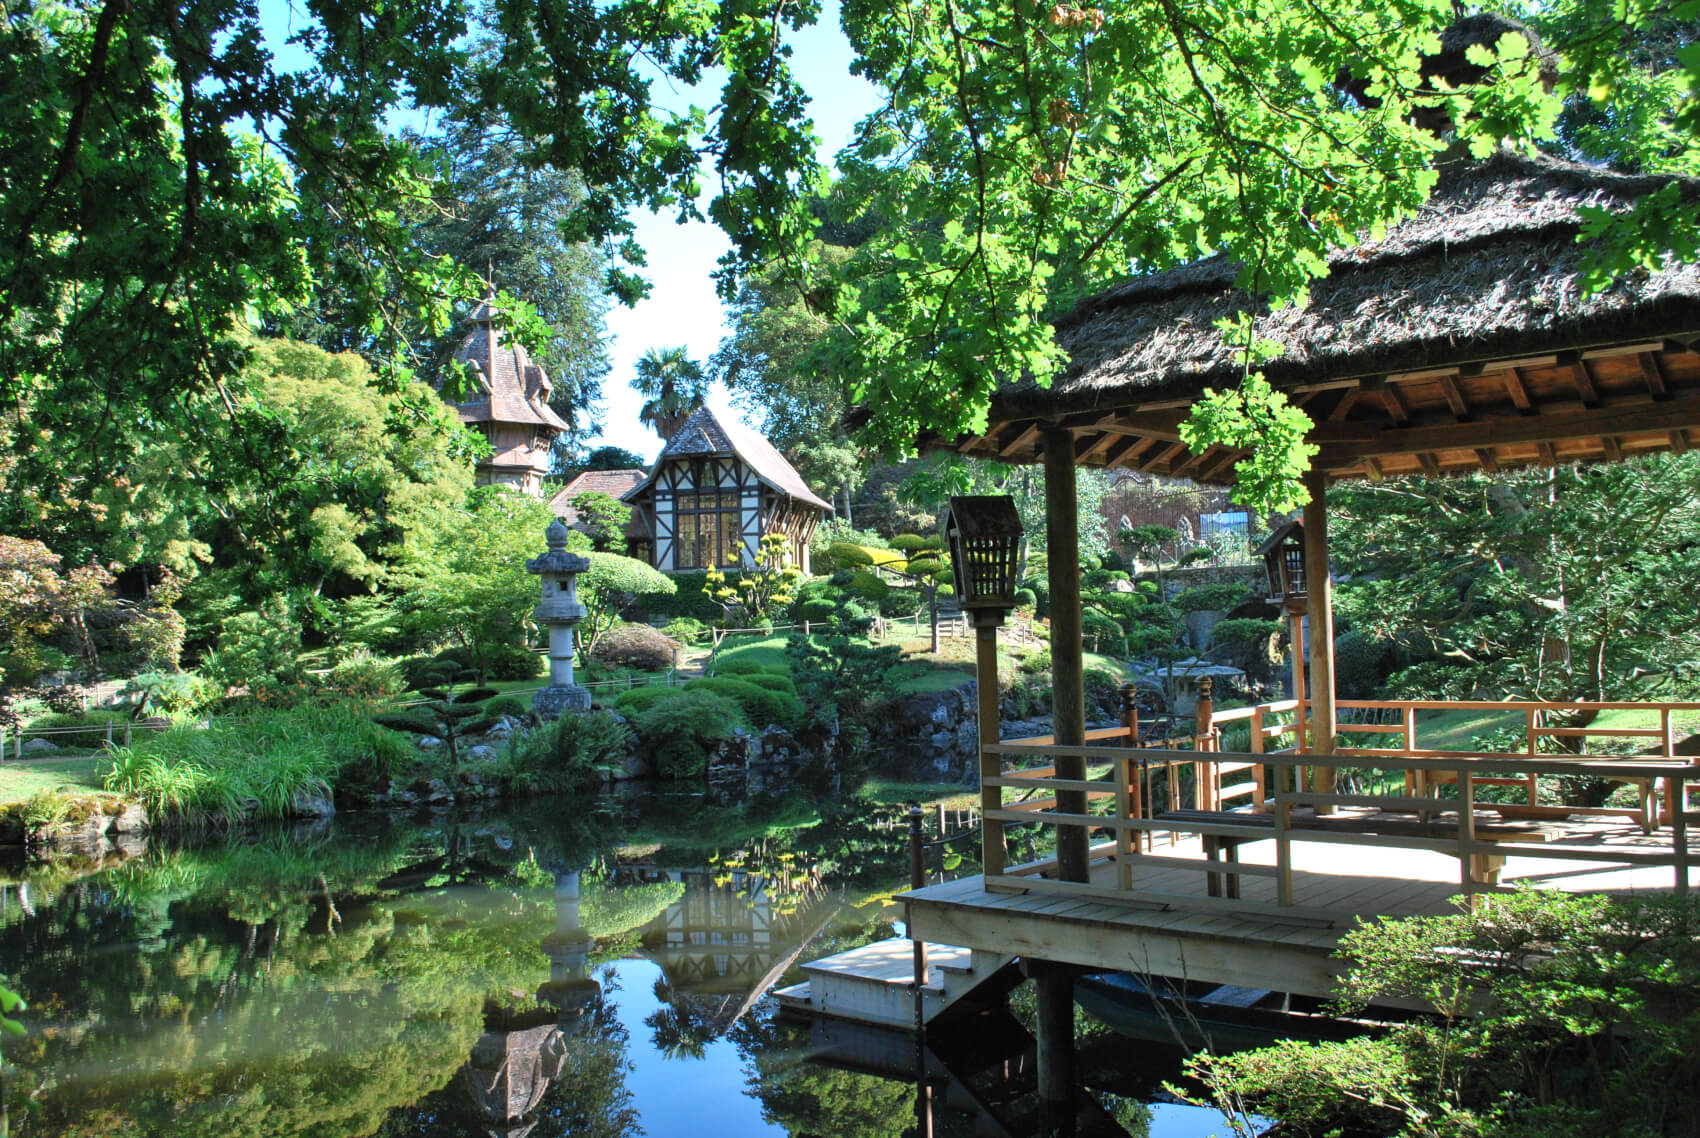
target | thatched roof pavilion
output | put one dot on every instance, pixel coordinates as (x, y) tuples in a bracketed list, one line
[(1462, 339)]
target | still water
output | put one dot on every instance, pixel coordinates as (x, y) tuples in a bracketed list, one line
[(550, 971)]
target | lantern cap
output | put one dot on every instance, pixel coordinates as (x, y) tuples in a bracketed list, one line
[(982, 515), (1282, 532), (984, 532)]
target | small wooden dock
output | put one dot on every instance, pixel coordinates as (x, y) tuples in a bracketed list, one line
[(1181, 932)]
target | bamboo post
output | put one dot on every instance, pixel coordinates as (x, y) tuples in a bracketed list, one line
[(1320, 606), (1068, 686), (991, 766)]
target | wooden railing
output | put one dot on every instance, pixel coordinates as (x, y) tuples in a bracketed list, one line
[(1273, 782)]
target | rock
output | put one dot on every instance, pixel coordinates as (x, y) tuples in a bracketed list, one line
[(130, 820), (39, 747), (498, 733), (312, 804), (429, 742), (437, 791), (404, 798), (482, 754), (86, 832)]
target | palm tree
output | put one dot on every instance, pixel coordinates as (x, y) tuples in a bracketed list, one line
[(672, 385)]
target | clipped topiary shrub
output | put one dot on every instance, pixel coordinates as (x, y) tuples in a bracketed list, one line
[(1026, 599), (867, 585), (772, 681), (737, 667), (505, 705), (638, 700), (636, 646), (761, 706), (685, 727), (686, 630)]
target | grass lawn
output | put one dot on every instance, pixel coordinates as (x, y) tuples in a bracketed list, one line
[(765, 651), (23, 780), (952, 796)]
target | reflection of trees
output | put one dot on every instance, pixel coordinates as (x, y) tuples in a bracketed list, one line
[(811, 1098), (683, 1025)]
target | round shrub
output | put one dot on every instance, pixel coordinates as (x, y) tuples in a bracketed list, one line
[(900, 602), (868, 586), (772, 681), (1038, 662), (512, 662), (686, 630), (505, 705), (842, 579), (364, 676), (737, 667), (1101, 633), (1359, 663), (761, 706), (685, 726), (636, 646), (1026, 599), (817, 611), (635, 702)]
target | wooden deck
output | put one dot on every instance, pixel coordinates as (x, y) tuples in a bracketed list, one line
[(1250, 941)]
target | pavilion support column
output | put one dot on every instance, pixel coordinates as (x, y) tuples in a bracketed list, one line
[(1320, 608), (1296, 636), (1068, 683), (991, 766), (1054, 987)]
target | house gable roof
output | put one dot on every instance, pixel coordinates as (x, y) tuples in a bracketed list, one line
[(614, 483), (705, 433)]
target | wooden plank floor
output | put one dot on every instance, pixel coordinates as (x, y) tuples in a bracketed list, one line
[(1187, 934)]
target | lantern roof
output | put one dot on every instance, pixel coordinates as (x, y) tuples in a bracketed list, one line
[(1286, 529)]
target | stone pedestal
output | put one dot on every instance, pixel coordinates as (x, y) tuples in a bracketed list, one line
[(559, 611)]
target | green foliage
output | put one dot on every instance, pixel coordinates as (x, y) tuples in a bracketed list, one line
[(605, 519), (1246, 630), (840, 680), (761, 705), (762, 589), (609, 910), (688, 599), (1101, 633), (685, 630), (638, 700), (1554, 1010), (1573, 583), (258, 651), (171, 694), (1210, 598), (736, 666), (96, 723), (613, 585), (1359, 663), (571, 752), (505, 663), (867, 585), (449, 711), (1026, 599), (636, 646), (1036, 663), (255, 765), (772, 681), (10, 1004), (1254, 417), (685, 727), (362, 676), (40, 604)]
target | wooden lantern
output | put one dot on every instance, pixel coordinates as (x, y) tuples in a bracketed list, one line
[(984, 534), (1284, 559)]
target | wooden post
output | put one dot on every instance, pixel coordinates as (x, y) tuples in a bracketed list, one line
[(1068, 682), (1298, 641), (1256, 748), (1205, 769), (1467, 836), (1320, 608), (1136, 796), (1055, 984), (917, 880), (991, 766)]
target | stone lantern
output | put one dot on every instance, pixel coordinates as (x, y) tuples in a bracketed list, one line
[(559, 611)]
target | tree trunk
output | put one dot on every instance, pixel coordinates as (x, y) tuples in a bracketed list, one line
[(933, 612)]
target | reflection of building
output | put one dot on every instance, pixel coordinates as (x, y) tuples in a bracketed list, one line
[(716, 491), (510, 409)]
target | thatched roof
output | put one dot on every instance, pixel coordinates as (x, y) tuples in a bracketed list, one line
[(1486, 276), (1489, 268)]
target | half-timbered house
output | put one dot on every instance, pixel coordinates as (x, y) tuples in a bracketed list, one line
[(716, 490), (511, 408)]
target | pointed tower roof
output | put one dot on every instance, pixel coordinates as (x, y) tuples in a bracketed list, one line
[(706, 433), (514, 390)]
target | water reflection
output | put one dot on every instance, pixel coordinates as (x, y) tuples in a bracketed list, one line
[(529, 974)]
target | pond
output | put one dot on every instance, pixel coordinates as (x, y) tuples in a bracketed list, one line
[(561, 969)]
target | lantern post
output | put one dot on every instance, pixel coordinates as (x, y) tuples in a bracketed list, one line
[(984, 535)]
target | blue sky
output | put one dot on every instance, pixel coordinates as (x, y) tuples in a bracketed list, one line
[(682, 307)]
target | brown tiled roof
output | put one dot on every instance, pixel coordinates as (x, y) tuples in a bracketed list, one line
[(515, 389), (614, 483), (705, 433)]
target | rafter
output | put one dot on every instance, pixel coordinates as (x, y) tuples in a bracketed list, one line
[(1454, 398), (1519, 393)]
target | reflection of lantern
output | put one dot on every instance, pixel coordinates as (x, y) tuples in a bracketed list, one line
[(984, 535), (1284, 558)]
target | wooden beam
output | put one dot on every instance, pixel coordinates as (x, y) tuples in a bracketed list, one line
[(1125, 445), (1681, 410), (1584, 380), (1430, 465), (1547, 453), (1068, 683), (1395, 405), (1454, 398), (1224, 463), (1344, 407), (1166, 455), (1191, 466), (1019, 436), (1085, 446), (1518, 392), (1373, 469), (1484, 455), (1613, 449), (1653, 374), (1679, 442)]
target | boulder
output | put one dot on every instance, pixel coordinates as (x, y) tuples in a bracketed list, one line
[(40, 747), (482, 754), (130, 820), (436, 791), (312, 803), (429, 742)]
